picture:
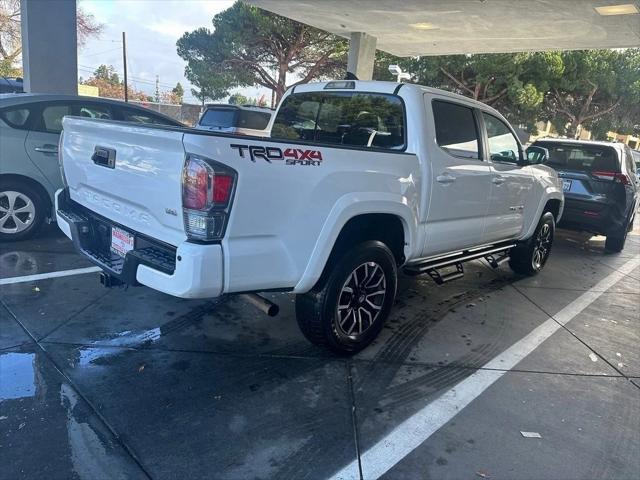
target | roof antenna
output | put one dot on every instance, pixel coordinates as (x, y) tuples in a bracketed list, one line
[(350, 76)]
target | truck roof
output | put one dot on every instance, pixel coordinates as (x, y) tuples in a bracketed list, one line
[(375, 86)]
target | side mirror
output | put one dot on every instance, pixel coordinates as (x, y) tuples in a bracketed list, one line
[(536, 155)]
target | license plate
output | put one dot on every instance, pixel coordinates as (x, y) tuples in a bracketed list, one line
[(566, 185), (121, 241)]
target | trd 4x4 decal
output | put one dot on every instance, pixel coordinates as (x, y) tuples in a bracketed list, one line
[(292, 156)]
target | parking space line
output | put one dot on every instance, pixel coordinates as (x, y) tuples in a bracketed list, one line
[(415, 430), (44, 276)]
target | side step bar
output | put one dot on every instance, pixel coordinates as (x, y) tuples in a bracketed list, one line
[(493, 254)]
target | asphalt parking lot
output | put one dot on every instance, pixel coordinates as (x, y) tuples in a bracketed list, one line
[(98, 383)]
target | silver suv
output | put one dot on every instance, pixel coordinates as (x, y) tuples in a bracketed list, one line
[(30, 126)]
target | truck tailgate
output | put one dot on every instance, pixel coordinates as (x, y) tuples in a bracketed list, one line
[(129, 173)]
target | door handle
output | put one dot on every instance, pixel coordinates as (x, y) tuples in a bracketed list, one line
[(445, 178), (499, 180), (47, 149)]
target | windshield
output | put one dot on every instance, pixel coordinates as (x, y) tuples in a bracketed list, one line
[(219, 117), (581, 157)]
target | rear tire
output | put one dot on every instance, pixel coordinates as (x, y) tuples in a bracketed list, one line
[(615, 242), (346, 310), (530, 256), (22, 211)]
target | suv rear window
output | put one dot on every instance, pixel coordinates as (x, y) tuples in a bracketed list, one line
[(581, 157), (370, 120), (252, 119), (219, 117)]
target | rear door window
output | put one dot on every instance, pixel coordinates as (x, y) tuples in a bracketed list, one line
[(52, 116), (367, 120), (631, 166), (456, 129), (581, 157), (219, 117)]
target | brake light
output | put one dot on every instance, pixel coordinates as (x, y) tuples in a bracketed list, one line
[(207, 190), (222, 185), (613, 176)]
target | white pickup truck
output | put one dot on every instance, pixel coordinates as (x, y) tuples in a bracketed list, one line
[(358, 180)]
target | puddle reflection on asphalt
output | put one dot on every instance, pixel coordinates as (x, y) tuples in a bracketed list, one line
[(17, 375)]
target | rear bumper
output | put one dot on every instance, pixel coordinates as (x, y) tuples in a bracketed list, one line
[(595, 217), (189, 270)]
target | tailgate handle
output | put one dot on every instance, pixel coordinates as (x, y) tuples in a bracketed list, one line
[(104, 157)]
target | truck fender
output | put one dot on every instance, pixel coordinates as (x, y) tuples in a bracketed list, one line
[(346, 208), (551, 192)]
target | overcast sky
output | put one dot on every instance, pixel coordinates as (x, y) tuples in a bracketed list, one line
[(152, 28)]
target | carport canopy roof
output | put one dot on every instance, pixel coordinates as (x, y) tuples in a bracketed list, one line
[(440, 27)]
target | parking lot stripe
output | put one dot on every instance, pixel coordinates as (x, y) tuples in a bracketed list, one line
[(44, 276), (415, 430)]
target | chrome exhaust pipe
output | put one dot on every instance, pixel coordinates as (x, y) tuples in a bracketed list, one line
[(261, 303)]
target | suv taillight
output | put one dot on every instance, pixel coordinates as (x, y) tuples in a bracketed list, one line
[(614, 176), (207, 191)]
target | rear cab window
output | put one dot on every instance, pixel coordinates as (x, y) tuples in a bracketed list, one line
[(581, 157), (355, 119)]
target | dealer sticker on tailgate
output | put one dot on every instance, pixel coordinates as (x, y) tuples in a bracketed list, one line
[(121, 241)]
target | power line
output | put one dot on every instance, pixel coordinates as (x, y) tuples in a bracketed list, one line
[(100, 53), (92, 70)]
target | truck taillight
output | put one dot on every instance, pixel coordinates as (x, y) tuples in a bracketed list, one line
[(60, 167), (207, 191)]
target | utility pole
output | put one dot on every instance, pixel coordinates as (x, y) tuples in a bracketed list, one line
[(124, 61), (157, 89)]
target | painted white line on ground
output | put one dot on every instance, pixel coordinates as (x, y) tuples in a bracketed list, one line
[(411, 433), (44, 276)]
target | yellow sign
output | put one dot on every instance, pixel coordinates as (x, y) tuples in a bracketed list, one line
[(88, 90)]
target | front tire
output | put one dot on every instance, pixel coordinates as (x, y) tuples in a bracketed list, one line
[(347, 309), (529, 257), (22, 211)]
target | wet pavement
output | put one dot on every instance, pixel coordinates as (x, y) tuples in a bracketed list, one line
[(98, 383)]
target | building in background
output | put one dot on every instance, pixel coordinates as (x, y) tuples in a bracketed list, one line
[(632, 141)]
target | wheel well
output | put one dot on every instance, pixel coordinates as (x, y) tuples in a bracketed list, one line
[(384, 227), (37, 186), (553, 206)]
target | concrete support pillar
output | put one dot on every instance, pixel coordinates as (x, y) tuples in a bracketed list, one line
[(49, 46), (362, 54)]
